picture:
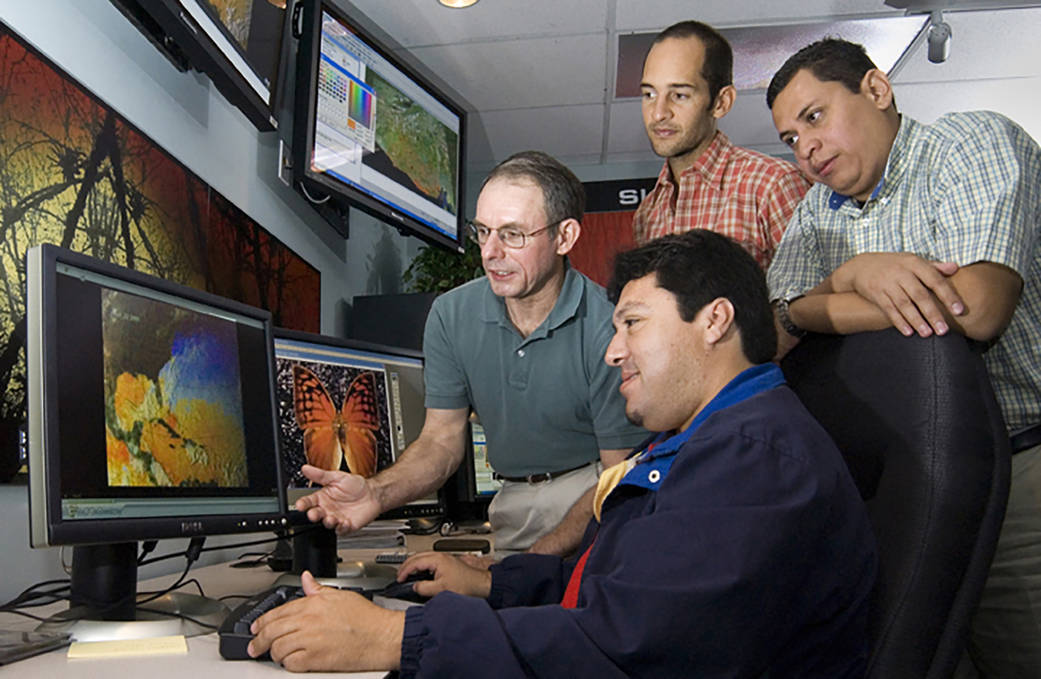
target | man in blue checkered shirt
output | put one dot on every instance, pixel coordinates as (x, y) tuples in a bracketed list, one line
[(929, 229)]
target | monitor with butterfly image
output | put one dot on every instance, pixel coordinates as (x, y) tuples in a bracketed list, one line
[(151, 415), (347, 405)]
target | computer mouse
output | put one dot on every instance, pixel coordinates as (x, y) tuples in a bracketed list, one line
[(403, 589), (424, 525)]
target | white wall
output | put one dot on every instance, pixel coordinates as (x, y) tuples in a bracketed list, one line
[(187, 116)]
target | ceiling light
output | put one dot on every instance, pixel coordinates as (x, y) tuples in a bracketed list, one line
[(457, 4)]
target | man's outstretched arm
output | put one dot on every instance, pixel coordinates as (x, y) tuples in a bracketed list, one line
[(346, 502)]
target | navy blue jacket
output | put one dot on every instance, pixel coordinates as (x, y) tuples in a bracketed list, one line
[(748, 554)]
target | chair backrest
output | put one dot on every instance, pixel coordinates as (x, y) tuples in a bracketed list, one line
[(918, 425)]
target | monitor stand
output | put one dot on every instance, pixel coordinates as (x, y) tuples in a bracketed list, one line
[(314, 550), (103, 602)]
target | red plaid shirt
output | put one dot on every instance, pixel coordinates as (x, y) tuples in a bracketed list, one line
[(739, 193)]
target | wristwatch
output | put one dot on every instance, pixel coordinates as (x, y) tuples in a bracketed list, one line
[(785, 318)]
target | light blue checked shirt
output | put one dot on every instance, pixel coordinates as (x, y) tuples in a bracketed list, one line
[(965, 189)]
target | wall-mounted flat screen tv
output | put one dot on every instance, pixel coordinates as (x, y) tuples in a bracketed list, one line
[(371, 132), (237, 44)]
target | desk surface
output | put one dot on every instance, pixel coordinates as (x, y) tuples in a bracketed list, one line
[(203, 658)]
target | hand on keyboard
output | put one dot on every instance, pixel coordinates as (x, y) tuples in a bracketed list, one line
[(234, 631), (329, 630)]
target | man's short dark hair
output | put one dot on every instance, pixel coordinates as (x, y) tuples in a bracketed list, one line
[(563, 196), (697, 267), (718, 67), (829, 60)]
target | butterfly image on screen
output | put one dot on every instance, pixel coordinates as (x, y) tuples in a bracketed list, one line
[(330, 434)]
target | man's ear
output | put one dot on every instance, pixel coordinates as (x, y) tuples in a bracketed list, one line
[(568, 232), (719, 318), (875, 86), (724, 102)]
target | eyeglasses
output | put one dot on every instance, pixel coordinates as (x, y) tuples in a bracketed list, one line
[(510, 237)]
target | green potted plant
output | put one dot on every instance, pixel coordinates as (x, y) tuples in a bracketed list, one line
[(438, 270)]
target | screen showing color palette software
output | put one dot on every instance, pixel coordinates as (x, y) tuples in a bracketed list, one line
[(371, 131)]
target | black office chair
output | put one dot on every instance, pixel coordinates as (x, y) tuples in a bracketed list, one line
[(918, 425)]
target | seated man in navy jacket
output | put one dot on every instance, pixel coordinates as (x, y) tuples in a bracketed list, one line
[(733, 543)]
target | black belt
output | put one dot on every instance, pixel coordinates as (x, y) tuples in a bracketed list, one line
[(1028, 438), (537, 478)]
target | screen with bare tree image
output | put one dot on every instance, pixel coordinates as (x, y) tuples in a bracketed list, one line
[(73, 172)]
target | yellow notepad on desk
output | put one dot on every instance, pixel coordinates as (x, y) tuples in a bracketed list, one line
[(172, 645)]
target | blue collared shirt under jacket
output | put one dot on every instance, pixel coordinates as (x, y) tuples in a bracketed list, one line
[(749, 554)]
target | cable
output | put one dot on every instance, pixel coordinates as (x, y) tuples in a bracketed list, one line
[(182, 616), (235, 596), (152, 596), (236, 545), (309, 197), (146, 548), (27, 615), (191, 556), (30, 597), (39, 599), (259, 559), (30, 594)]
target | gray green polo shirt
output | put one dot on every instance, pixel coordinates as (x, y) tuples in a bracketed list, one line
[(548, 401)]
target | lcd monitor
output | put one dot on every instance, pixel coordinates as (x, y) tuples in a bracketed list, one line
[(237, 44), (151, 415), (485, 484), (473, 486), (347, 405), (371, 132)]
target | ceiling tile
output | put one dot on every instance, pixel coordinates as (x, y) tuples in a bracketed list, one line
[(1015, 98), (760, 50), (523, 73), (569, 133), (749, 124), (426, 22), (973, 34), (626, 133), (639, 15)]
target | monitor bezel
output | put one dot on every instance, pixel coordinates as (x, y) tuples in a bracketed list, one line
[(308, 32), (192, 30), (47, 527), (405, 511)]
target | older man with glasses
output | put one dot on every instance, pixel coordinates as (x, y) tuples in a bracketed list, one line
[(523, 347)]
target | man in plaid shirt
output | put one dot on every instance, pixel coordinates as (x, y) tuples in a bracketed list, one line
[(928, 229), (707, 182)]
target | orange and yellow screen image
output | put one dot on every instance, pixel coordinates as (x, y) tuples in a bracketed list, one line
[(173, 396)]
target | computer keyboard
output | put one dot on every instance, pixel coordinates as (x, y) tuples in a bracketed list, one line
[(392, 558), (234, 631)]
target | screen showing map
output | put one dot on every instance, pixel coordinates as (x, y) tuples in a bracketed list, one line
[(381, 132)]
